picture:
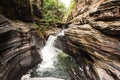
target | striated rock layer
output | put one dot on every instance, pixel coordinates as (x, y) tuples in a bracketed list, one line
[(24, 10), (95, 45), (18, 49)]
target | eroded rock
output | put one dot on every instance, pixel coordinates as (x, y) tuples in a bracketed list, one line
[(24, 10), (95, 45), (16, 9), (18, 52)]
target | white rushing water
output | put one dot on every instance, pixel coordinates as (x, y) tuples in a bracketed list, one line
[(50, 68), (49, 52)]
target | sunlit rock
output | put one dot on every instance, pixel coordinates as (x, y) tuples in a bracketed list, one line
[(95, 45)]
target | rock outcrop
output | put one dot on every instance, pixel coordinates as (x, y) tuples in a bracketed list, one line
[(24, 10), (16, 9), (18, 49), (37, 6), (95, 45)]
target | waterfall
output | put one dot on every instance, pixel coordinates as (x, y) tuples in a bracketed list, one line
[(54, 64), (49, 52)]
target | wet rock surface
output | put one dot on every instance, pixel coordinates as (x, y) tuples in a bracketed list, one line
[(51, 31), (95, 45), (92, 38), (18, 52)]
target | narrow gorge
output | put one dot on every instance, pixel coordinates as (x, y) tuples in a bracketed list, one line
[(88, 48)]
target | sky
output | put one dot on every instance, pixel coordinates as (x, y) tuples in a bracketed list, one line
[(66, 2)]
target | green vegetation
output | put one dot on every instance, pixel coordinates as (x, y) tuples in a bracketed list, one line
[(69, 10), (53, 10), (72, 5)]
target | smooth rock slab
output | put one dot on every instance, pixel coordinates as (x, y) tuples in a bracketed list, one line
[(26, 77), (47, 78)]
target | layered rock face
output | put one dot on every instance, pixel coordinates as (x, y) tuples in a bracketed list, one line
[(24, 10), (16, 9), (96, 44), (18, 49), (19, 42)]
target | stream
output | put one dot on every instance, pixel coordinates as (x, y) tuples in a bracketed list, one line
[(55, 63)]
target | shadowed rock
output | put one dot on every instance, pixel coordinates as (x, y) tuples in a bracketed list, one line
[(16, 9), (18, 49), (24, 10)]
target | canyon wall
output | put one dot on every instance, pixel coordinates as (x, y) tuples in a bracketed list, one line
[(25, 10), (19, 41), (93, 39), (19, 49)]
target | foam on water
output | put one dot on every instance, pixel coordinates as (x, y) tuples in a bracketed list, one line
[(49, 56), (49, 52)]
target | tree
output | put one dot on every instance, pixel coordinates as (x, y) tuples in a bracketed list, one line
[(68, 14), (53, 10)]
